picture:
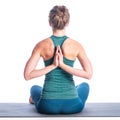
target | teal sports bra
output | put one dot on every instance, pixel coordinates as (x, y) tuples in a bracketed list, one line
[(58, 83)]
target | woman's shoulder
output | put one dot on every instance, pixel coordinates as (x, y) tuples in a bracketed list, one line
[(71, 48), (74, 42), (44, 42)]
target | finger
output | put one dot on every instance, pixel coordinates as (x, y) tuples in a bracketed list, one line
[(59, 50), (56, 50), (56, 60)]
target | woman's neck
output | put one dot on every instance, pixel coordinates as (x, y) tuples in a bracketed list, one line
[(59, 33)]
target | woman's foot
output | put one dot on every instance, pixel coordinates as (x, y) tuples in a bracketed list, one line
[(30, 100)]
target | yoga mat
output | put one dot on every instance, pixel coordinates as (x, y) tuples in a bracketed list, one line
[(90, 110)]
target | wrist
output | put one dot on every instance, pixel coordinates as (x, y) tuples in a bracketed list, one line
[(53, 66), (61, 65)]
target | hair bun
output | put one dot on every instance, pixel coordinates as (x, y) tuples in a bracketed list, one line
[(59, 17)]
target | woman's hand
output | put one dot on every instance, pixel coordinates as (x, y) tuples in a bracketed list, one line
[(58, 58), (55, 62)]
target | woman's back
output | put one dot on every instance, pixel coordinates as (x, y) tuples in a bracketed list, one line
[(58, 83), (70, 48)]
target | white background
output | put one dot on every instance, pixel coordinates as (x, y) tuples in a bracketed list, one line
[(94, 23)]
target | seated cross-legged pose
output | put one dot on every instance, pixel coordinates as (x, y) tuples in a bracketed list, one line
[(59, 95)]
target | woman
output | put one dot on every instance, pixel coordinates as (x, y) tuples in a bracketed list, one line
[(59, 94)]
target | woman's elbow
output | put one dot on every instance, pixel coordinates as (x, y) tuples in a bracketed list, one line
[(27, 76), (89, 76)]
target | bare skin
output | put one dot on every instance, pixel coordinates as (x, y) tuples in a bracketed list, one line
[(71, 49)]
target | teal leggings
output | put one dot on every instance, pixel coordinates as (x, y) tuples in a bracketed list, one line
[(60, 106)]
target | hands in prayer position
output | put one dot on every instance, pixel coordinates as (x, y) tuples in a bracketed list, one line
[(58, 58)]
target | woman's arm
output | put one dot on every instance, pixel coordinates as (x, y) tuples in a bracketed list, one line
[(30, 70), (86, 72)]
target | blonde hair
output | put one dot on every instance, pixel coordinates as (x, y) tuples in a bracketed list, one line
[(58, 17)]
